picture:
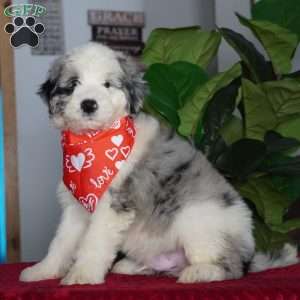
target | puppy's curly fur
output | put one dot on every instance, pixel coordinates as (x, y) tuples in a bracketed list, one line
[(167, 197)]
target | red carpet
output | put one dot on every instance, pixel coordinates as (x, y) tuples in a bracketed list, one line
[(281, 284)]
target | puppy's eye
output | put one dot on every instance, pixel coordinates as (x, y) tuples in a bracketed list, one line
[(107, 84), (74, 83)]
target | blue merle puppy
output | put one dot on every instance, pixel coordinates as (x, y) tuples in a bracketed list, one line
[(167, 209)]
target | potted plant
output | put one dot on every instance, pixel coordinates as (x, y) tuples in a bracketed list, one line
[(246, 120)]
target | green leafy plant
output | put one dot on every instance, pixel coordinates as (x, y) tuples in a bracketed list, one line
[(246, 120)]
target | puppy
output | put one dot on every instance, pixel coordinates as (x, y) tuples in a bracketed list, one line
[(167, 208)]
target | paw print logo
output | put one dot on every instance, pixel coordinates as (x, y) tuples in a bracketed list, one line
[(24, 31)]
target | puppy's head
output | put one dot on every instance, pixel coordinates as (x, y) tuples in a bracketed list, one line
[(91, 87)]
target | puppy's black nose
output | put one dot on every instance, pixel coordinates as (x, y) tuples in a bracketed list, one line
[(89, 106)]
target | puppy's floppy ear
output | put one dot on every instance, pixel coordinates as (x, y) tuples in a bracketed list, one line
[(47, 88), (133, 83)]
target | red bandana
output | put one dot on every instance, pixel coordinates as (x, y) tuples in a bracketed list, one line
[(92, 160)]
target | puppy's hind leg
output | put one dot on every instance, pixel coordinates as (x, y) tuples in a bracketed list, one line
[(202, 267), (212, 255), (228, 265)]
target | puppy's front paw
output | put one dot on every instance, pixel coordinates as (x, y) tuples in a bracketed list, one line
[(82, 274), (39, 271)]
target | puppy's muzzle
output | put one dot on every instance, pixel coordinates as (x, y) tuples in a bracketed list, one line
[(89, 106)]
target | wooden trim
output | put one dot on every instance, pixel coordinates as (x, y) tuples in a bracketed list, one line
[(7, 84)]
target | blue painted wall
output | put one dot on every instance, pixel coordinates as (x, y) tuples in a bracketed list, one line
[(2, 189)]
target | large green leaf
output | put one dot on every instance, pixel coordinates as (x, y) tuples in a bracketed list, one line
[(270, 204), (290, 128), (279, 43), (218, 111), (191, 113), (232, 130), (171, 85), (189, 44), (279, 164), (262, 235), (259, 68), (285, 13), (266, 239), (290, 185), (295, 74), (287, 226), (276, 142), (269, 104), (216, 149), (242, 158)]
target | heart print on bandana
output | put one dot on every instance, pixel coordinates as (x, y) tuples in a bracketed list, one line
[(117, 140), (89, 202), (112, 153), (79, 161), (125, 151)]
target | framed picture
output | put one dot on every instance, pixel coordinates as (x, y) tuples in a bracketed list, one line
[(121, 30)]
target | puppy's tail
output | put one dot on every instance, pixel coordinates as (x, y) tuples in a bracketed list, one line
[(286, 256)]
